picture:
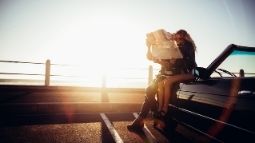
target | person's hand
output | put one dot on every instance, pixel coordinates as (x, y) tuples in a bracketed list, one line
[(170, 36), (159, 61), (163, 62)]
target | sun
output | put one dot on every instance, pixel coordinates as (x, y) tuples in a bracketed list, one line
[(103, 46), (114, 41)]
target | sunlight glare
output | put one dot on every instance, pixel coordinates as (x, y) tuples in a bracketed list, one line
[(106, 46)]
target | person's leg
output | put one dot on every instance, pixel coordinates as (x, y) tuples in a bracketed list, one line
[(168, 90), (150, 101), (160, 124), (160, 95), (158, 120), (149, 104), (169, 82)]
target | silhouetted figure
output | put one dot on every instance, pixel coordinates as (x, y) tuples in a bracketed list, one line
[(172, 71)]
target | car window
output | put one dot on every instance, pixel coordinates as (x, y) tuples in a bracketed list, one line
[(237, 61)]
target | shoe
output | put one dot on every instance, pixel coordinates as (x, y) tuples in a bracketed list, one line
[(136, 126), (159, 115), (159, 122), (159, 125)]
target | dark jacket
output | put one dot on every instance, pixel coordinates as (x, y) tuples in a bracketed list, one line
[(188, 52)]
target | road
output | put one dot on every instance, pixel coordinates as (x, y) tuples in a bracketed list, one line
[(70, 115), (80, 128)]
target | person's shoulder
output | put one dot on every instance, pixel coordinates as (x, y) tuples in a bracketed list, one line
[(187, 43)]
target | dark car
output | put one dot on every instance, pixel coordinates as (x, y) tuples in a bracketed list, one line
[(219, 106)]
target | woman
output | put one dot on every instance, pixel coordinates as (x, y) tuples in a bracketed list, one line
[(171, 72), (182, 67), (150, 103)]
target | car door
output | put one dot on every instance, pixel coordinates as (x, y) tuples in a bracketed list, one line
[(215, 108)]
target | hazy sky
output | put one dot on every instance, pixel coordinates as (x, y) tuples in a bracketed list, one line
[(112, 32)]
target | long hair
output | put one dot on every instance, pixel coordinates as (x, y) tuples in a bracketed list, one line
[(186, 36)]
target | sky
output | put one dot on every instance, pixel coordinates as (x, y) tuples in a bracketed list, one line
[(111, 33)]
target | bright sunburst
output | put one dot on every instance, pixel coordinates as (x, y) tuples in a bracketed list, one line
[(106, 45)]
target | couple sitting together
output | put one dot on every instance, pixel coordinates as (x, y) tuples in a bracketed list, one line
[(171, 72)]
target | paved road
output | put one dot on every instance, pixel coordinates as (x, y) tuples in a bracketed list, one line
[(80, 128), (63, 129), (63, 115)]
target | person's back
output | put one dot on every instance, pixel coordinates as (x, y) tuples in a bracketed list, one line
[(187, 48), (188, 53)]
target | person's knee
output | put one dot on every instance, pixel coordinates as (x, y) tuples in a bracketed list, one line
[(150, 92), (169, 82)]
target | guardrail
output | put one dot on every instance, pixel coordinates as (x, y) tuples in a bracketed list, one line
[(28, 101), (48, 72)]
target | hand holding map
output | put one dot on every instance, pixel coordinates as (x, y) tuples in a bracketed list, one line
[(162, 46)]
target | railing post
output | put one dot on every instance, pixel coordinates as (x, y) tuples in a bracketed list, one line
[(47, 72), (150, 74), (104, 95)]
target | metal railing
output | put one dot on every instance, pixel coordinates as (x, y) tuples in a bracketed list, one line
[(48, 72)]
